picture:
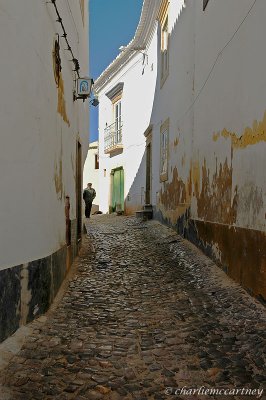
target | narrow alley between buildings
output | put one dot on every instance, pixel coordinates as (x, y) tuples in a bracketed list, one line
[(145, 313)]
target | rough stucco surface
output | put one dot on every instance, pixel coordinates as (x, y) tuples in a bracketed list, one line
[(214, 203)]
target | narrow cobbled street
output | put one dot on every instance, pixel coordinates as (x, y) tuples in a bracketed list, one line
[(145, 313)]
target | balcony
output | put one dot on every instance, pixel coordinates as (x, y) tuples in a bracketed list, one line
[(113, 137)]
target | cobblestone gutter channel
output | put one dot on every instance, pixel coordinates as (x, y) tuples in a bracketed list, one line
[(145, 311)]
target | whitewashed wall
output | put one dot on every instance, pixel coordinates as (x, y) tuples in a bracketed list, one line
[(137, 99), (38, 148)]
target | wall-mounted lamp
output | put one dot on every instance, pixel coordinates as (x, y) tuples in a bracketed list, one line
[(94, 102), (83, 89)]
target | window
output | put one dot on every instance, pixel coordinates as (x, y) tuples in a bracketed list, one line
[(163, 18), (113, 132), (164, 151), (164, 142), (164, 48), (118, 120), (205, 2)]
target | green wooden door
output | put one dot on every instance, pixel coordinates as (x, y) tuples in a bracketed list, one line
[(118, 189)]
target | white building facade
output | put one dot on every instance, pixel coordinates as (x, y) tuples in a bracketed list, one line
[(125, 92), (205, 138), (44, 140)]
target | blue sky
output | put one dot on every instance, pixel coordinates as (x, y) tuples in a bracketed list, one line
[(112, 24)]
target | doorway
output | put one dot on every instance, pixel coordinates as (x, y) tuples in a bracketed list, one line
[(117, 189)]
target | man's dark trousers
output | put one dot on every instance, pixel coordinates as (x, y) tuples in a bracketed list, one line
[(88, 209)]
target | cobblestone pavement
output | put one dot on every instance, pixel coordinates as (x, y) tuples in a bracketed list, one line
[(145, 311)]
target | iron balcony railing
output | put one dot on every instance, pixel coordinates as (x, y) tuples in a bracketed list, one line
[(113, 136)]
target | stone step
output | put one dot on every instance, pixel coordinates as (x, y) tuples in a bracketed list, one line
[(144, 214)]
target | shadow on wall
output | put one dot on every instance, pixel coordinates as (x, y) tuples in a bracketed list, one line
[(135, 198)]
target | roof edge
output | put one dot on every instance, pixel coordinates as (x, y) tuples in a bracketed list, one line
[(143, 32)]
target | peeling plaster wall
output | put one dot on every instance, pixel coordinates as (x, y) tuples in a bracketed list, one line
[(229, 140), (234, 129), (215, 98), (40, 126)]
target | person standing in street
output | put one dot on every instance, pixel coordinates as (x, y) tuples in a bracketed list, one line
[(89, 195)]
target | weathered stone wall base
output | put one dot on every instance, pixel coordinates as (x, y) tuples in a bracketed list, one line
[(10, 288), (240, 252), (27, 291), (74, 245)]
